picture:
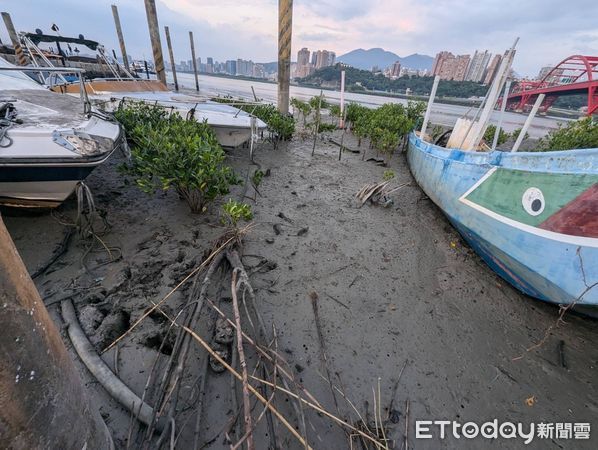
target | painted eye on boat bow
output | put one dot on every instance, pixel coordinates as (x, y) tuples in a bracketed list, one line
[(533, 201)]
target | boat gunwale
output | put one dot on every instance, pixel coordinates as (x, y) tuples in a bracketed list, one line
[(507, 160)]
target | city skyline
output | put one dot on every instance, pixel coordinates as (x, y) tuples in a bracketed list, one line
[(330, 24)]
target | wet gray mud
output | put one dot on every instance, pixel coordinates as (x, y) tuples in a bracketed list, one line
[(399, 293)]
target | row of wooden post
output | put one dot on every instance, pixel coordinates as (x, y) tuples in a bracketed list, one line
[(285, 25)]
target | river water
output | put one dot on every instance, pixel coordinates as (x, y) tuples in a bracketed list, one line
[(442, 114)]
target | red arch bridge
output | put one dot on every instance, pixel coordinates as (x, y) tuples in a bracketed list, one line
[(573, 76)]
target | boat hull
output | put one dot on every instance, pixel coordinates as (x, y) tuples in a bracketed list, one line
[(44, 182), (528, 215)]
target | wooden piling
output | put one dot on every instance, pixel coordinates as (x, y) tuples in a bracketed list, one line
[(44, 403), (154, 31), (121, 39), (194, 60), (172, 63), (14, 37), (285, 31)]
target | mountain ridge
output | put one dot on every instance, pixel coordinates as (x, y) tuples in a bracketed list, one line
[(366, 59)]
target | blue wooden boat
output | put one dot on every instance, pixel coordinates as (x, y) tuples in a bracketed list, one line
[(533, 217)]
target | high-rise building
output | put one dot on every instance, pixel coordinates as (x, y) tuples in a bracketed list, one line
[(477, 67), (492, 69), (231, 67), (303, 57), (314, 58), (395, 71), (439, 61), (331, 58), (210, 65), (303, 67), (324, 58), (461, 65), (453, 67)]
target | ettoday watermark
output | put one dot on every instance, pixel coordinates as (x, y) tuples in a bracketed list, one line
[(441, 429)]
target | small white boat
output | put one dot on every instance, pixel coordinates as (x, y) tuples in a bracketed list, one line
[(232, 126), (48, 142)]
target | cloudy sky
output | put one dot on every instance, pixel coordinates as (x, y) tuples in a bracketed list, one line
[(224, 29)]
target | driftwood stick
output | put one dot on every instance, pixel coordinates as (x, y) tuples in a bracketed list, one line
[(394, 390), (235, 261), (242, 363), (254, 391), (406, 441), (263, 400), (322, 411), (200, 402), (323, 356), (181, 346), (202, 385), (266, 355), (232, 429)]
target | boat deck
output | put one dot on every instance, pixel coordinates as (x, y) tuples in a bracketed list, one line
[(40, 108)]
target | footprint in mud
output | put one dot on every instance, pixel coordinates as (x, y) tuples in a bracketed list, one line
[(113, 325), (222, 340), (224, 352)]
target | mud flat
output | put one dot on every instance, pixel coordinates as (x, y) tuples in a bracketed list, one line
[(399, 294)]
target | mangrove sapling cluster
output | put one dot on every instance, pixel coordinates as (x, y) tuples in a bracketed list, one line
[(581, 133), (168, 151), (503, 136), (301, 107), (385, 126)]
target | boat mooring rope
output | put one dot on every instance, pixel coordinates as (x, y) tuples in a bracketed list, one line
[(8, 117)]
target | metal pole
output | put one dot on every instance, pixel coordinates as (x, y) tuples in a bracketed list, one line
[(121, 39), (342, 117), (14, 37), (528, 122), (503, 106), (154, 31), (194, 61), (429, 108), (44, 403), (173, 67), (285, 28)]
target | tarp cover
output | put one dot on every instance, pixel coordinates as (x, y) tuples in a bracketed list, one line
[(37, 38)]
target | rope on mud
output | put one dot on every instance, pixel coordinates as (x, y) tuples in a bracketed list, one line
[(57, 253), (87, 214)]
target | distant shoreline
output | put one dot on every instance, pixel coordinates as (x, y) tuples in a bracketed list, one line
[(441, 100)]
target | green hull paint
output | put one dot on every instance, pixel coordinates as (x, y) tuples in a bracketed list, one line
[(502, 192)]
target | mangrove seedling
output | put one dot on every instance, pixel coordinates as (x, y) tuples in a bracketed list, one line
[(234, 212), (388, 175)]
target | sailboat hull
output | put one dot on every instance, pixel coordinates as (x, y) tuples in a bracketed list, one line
[(532, 217)]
